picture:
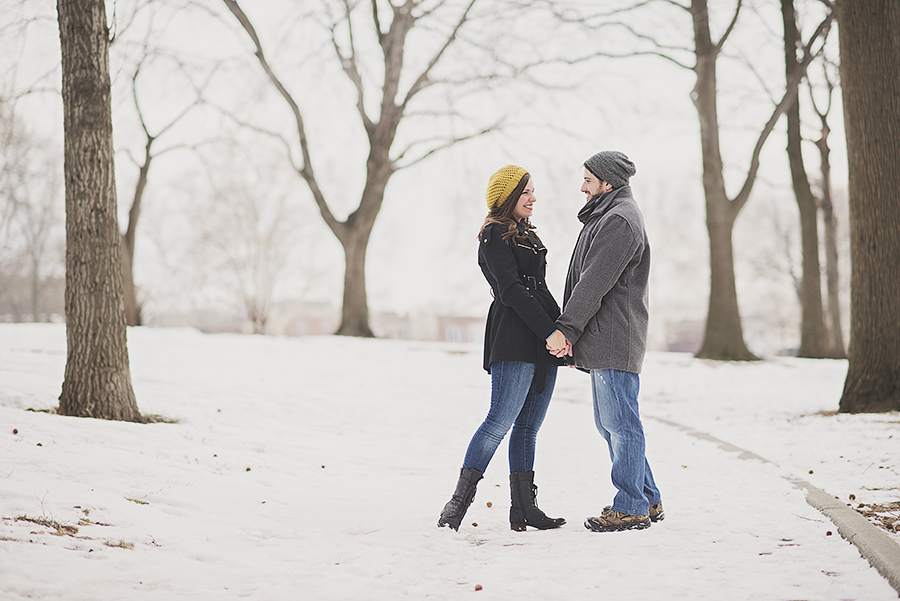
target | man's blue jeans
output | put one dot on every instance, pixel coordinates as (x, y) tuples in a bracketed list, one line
[(514, 402), (618, 419)]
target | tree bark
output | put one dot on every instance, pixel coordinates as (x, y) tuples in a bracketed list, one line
[(813, 339), (97, 376), (869, 31)]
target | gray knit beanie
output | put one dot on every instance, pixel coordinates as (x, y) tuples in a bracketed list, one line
[(612, 167)]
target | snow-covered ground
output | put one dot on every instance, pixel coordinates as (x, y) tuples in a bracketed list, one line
[(315, 468)]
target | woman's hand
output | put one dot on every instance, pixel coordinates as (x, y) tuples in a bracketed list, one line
[(559, 345)]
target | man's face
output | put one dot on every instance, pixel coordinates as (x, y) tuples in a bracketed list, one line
[(593, 186)]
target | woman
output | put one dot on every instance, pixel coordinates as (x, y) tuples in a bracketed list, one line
[(523, 373)]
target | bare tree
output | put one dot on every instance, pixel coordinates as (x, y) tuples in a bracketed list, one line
[(132, 304), (723, 337), (391, 23), (249, 229), (813, 334), (38, 222), (29, 212), (835, 330), (870, 81), (12, 176), (97, 377)]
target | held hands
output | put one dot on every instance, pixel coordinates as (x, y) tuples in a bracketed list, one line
[(558, 345)]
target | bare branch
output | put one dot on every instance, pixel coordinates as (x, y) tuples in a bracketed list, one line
[(444, 146), (678, 4), (830, 85), (553, 7), (350, 66), (589, 57), (659, 52), (790, 95), (761, 78), (731, 26), (377, 22), (422, 81), (261, 130), (306, 170), (654, 42), (31, 91)]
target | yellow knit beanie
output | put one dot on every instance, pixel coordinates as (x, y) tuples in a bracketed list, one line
[(502, 183)]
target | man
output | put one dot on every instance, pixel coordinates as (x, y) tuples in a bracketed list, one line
[(604, 327)]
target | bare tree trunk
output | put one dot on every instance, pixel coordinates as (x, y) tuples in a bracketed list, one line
[(355, 309), (35, 289), (132, 310), (812, 328), (355, 233), (870, 78), (835, 328), (97, 378), (132, 307), (724, 336)]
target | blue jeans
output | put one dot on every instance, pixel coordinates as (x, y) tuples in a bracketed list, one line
[(618, 419), (514, 402)]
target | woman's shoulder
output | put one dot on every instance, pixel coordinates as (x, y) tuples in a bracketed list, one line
[(492, 231)]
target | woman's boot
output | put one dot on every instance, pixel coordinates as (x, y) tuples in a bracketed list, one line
[(455, 509), (524, 510)]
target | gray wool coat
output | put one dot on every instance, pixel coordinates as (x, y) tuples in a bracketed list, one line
[(605, 307)]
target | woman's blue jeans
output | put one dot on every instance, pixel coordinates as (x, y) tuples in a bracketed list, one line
[(514, 402), (618, 419)]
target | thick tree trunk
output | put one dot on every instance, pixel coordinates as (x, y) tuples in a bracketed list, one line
[(354, 235), (724, 337), (97, 377), (355, 310), (812, 329), (870, 76)]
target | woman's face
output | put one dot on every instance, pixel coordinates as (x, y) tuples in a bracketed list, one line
[(593, 186), (524, 206)]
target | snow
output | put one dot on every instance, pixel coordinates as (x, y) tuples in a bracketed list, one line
[(315, 468)]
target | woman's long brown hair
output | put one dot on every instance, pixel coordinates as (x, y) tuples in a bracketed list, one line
[(503, 214)]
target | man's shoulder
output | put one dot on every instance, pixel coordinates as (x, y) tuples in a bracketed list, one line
[(629, 211)]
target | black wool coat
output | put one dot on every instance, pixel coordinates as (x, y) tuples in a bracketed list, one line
[(523, 313)]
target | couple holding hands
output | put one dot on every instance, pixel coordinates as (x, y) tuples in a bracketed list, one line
[(602, 330)]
